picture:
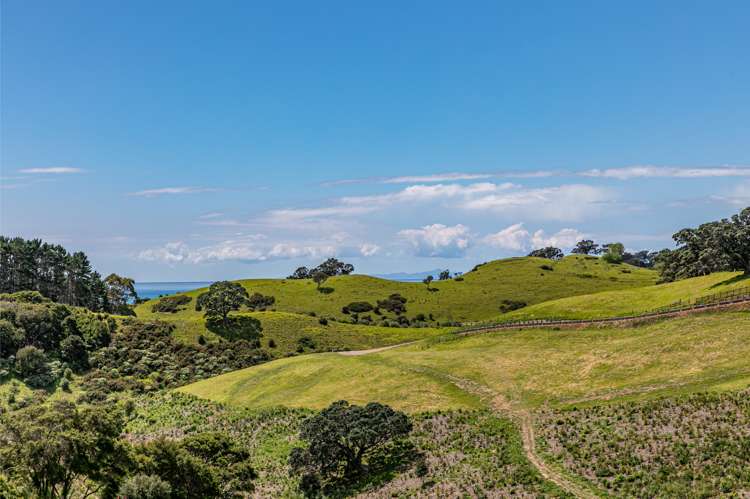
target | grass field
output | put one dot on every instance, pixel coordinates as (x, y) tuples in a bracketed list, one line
[(518, 369), (477, 297), (627, 301)]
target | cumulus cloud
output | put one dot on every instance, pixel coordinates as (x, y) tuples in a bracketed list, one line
[(565, 238), (162, 191), (250, 249), (438, 240), (514, 238), (54, 170), (369, 249), (631, 172)]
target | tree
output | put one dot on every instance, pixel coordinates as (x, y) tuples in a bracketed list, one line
[(395, 303), (733, 237), (319, 278), (300, 273), (333, 267), (223, 297), (31, 361), (613, 252), (120, 293), (586, 247), (643, 258), (340, 438), (52, 448), (258, 301), (427, 281), (549, 252), (444, 275)]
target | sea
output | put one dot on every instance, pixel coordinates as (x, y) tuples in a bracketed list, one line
[(157, 289)]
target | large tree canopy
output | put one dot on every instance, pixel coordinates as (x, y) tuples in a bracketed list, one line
[(223, 297), (722, 245)]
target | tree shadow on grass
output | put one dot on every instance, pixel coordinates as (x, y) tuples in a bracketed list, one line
[(732, 280), (238, 327), (382, 466), (325, 291)]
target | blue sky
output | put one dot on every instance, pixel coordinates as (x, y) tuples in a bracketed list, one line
[(207, 140)]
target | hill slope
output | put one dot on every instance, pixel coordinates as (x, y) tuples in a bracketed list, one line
[(629, 301), (477, 297), (522, 369)]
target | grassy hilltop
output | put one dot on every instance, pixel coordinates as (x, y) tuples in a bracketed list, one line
[(475, 298), (627, 301), (517, 368)]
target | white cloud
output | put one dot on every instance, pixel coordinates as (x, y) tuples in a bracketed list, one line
[(565, 238), (438, 240), (172, 190), (630, 172), (55, 170), (739, 196), (209, 216), (368, 249), (439, 177), (170, 253), (563, 203), (514, 238)]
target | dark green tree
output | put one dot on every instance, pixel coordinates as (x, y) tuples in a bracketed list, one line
[(427, 281), (51, 448), (319, 278), (444, 275), (340, 438), (586, 247), (613, 253), (549, 252), (222, 298), (121, 294)]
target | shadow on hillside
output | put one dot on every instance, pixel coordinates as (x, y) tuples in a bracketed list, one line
[(733, 280), (326, 291), (381, 468), (238, 327)]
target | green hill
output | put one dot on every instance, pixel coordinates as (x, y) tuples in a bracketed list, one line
[(476, 297), (512, 369), (629, 301)]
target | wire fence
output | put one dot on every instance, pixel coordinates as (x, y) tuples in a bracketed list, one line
[(729, 297)]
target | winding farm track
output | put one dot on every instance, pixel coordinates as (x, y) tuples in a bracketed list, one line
[(524, 417)]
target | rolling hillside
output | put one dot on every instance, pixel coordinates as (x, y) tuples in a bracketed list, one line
[(514, 369), (629, 301), (477, 297)]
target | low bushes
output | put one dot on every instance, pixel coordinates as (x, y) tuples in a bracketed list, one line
[(171, 304)]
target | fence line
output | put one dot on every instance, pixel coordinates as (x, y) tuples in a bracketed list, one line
[(738, 295)]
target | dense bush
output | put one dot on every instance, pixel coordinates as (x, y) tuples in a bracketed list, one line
[(146, 355), (171, 304), (261, 302), (358, 307), (511, 305), (395, 304)]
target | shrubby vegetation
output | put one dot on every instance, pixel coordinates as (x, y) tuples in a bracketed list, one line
[(39, 338), (691, 446), (145, 356), (171, 304), (549, 252)]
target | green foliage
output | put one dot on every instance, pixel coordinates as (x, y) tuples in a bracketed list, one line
[(319, 277), (203, 465), (586, 247), (511, 305), (359, 307), (143, 355), (549, 252), (395, 304), (260, 302), (222, 298), (342, 437), (171, 304), (722, 245), (144, 486), (121, 294), (73, 351), (32, 265), (613, 253), (11, 338), (50, 449)]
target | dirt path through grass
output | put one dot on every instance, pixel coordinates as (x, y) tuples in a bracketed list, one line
[(354, 353)]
